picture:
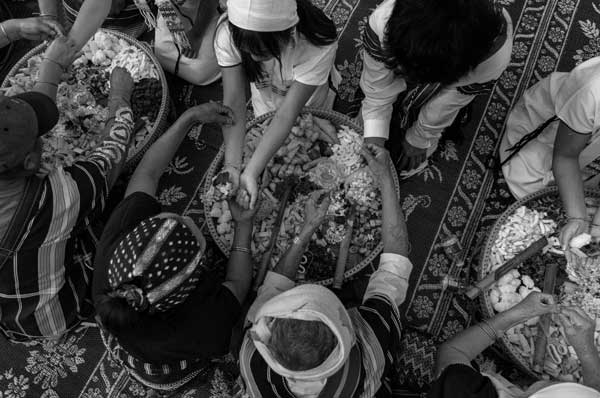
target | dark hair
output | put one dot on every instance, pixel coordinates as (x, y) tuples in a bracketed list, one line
[(313, 24), (301, 345), (440, 40), (115, 314)]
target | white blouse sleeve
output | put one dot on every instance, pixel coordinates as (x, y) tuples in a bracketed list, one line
[(225, 51), (390, 279)]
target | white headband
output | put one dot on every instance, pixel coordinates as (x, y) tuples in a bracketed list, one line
[(308, 303), (263, 15)]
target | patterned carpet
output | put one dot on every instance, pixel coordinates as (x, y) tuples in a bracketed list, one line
[(457, 195)]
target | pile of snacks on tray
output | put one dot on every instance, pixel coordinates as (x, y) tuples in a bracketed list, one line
[(316, 155), (82, 97), (578, 282)]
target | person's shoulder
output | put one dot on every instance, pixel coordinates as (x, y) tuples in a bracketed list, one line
[(379, 18)]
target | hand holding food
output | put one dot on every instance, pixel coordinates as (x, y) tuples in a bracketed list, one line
[(239, 214), (36, 28), (121, 83), (573, 228), (316, 208), (535, 304), (53, 21), (379, 161), (211, 112), (248, 190), (579, 328)]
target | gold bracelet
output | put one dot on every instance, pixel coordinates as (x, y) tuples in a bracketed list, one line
[(240, 249), (49, 83)]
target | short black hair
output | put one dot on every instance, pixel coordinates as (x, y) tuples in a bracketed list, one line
[(439, 41), (301, 345)]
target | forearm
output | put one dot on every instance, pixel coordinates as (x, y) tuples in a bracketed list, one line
[(49, 78), (570, 185), (10, 33), (288, 264), (239, 267), (435, 116), (89, 19), (48, 7), (111, 153), (158, 156), (234, 135), (394, 232), (465, 346), (271, 141), (590, 363)]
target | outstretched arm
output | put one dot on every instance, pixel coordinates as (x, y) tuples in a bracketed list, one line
[(465, 346), (565, 165), (157, 158), (277, 132)]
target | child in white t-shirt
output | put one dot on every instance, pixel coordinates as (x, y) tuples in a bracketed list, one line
[(286, 50), (552, 135)]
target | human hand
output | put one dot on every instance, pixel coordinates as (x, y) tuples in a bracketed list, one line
[(211, 112), (379, 161), (53, 21), (62, 50), (579, 328), (121, 84), (411, 156), (37, 28), (315, 210), (239, 214), (247, 193), (535, 304), (574, 227)]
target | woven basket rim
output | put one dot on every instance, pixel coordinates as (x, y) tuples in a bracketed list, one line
[(333, 116), (486, 305), (161, 118)]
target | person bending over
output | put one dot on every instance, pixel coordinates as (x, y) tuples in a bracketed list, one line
[(163, 314), (286, 50), (457, 378), (440, 54), (48, 226), (303, 342)]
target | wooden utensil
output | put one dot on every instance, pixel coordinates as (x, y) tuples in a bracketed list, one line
[(492, 277), (340, 267), (544, 323)]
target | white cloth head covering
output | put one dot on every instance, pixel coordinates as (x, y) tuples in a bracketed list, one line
[(564, 390), (263, 15), (308, 303)]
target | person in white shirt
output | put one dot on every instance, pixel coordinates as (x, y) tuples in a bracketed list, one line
[(303, 342), (285, 49), (552, 137), (441, 53)]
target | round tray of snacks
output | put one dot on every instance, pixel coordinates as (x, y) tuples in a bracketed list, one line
[(82, 96), (577, 280), (322, 152)]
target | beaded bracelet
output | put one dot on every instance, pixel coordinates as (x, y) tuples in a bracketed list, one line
[(494, 332), (480, 326), (576, 219), (240, 249)]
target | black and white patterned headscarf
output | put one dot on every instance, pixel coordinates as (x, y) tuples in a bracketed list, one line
[(156, 266)]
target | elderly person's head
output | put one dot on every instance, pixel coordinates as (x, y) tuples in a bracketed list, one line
[(304, 334), (24, 118)]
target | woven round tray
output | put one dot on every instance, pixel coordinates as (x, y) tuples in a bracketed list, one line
[(161, 119), (337, 119), (486, 304)]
